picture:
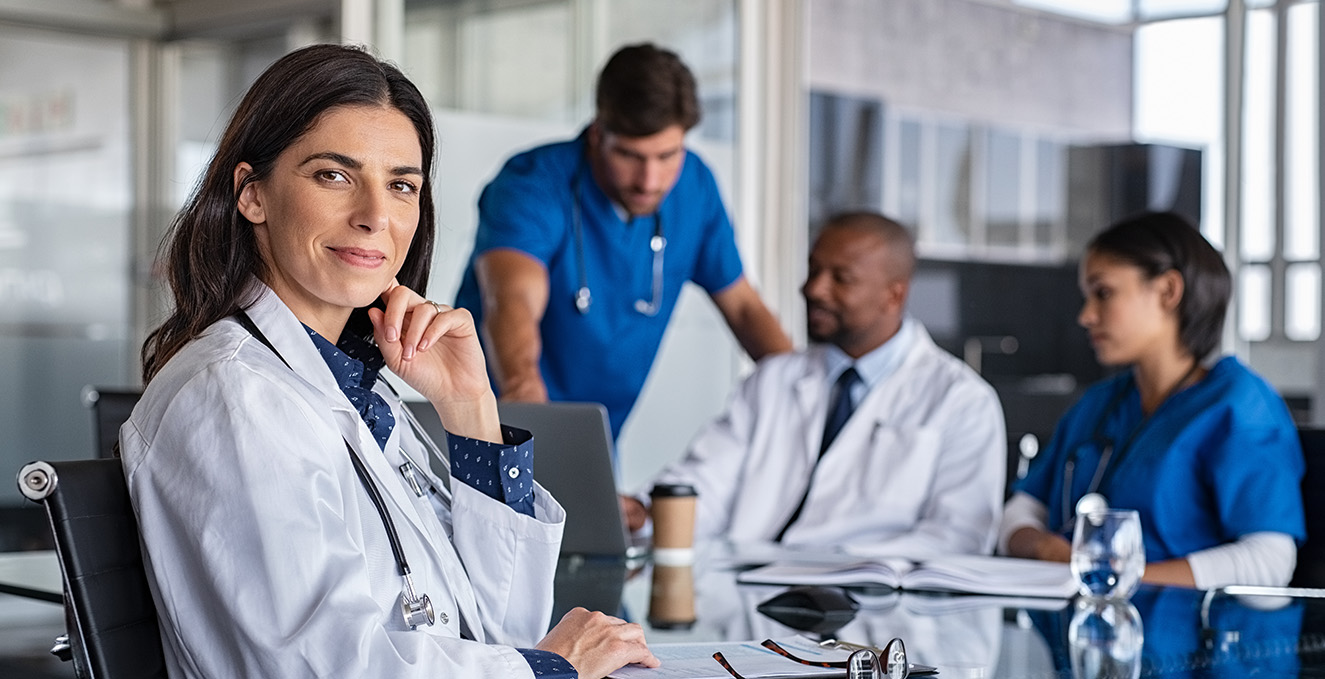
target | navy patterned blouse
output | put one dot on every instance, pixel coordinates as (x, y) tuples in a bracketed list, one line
[(503, 472)]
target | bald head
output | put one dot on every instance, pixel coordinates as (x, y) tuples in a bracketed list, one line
[(897, 239), (859, 274)]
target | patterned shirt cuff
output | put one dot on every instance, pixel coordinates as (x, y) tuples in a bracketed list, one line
[(548, 664), (502, 471)]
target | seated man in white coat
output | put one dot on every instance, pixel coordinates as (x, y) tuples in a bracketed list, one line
[(918, 466)]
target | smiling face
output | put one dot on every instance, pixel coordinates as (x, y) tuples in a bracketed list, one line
[(1128, 316), (336, 216), (854, 297), (637, 172)]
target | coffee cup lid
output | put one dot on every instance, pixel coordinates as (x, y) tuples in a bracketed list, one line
[(673, 490)]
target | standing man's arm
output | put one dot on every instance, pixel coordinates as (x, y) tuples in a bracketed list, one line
[(514, 290), (754, 325)]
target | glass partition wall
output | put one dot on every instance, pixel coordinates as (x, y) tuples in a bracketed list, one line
[(66, 214), (502, 76)]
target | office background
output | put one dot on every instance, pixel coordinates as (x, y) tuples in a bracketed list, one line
[(1005, 131)]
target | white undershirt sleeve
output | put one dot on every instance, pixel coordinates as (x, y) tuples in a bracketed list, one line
[(1022, 511), (1265, 558)]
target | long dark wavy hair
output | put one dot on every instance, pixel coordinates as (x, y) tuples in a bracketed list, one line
[(210, 252)]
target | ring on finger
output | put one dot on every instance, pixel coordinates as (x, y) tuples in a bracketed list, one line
[(436, 306)]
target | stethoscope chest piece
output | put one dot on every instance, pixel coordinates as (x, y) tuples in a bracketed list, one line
[(417, 610), (583, 299), (1091, 503)]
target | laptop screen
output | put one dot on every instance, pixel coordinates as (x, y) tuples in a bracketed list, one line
[(572, 460)]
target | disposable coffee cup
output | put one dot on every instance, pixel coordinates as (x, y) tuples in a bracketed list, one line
[(673, 524), (672, 598)]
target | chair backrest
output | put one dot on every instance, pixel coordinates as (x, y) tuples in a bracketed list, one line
[(113, 628), (1311, 557), (110, 408)]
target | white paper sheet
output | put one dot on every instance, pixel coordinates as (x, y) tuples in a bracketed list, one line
[(695, 661)]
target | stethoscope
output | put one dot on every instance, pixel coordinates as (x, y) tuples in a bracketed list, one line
[(1111, 457), (416, 609), (658, 244)]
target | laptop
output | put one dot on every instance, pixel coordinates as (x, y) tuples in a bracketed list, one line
[(572, 460)]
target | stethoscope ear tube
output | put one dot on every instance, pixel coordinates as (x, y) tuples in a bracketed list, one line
[(415, 609), (1111, 455), (657, 245)]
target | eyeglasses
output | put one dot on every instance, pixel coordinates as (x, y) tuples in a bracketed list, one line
[(866, 662)]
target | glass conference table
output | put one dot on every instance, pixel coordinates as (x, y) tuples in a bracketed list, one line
[(1163, 632), (1181, 632)]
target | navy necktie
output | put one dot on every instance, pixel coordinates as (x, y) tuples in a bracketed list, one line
[(843, 406), (838, 414)]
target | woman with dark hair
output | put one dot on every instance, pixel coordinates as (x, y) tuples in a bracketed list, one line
[(1202, 447), (291, 521)]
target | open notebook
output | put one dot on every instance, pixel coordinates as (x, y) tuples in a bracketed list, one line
[(996, 575), (572, 460)]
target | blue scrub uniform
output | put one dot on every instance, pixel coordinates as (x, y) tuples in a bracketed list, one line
[(603, 355), (1218, 460)]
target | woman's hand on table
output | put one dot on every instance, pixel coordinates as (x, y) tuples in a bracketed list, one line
[(597, 644)]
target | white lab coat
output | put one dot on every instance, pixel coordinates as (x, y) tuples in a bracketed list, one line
[(266, 557), (918, 469)]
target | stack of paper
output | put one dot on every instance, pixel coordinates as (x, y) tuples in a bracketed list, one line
[(695, 661), (753, 661), (1001, 576)]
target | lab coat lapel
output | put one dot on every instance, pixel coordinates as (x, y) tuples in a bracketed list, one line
[(279, 325), (288, 336), (407, 516), (905, 384), (895, 390), (812, 402)]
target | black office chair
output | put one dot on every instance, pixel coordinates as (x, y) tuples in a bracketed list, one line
[(110, 408), (1310, 570), (112, 626)]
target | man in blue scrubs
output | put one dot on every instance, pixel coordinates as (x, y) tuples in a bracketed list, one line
[(583, 246)]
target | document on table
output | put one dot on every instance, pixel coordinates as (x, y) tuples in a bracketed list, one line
[(746, 554), (996, 575), (695, 661)]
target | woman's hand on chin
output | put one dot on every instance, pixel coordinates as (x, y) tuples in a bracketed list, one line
[(435, 350)]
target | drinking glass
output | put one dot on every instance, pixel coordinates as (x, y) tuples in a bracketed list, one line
[(1105, 639), (1108, 555)]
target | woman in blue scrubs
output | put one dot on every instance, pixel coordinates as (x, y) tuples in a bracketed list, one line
[(1200, 445)]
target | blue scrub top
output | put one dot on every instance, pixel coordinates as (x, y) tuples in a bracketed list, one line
[(1218, 460), (604, 355), (1190, 636)]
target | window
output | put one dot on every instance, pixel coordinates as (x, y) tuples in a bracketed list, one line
[(1253, 292)]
